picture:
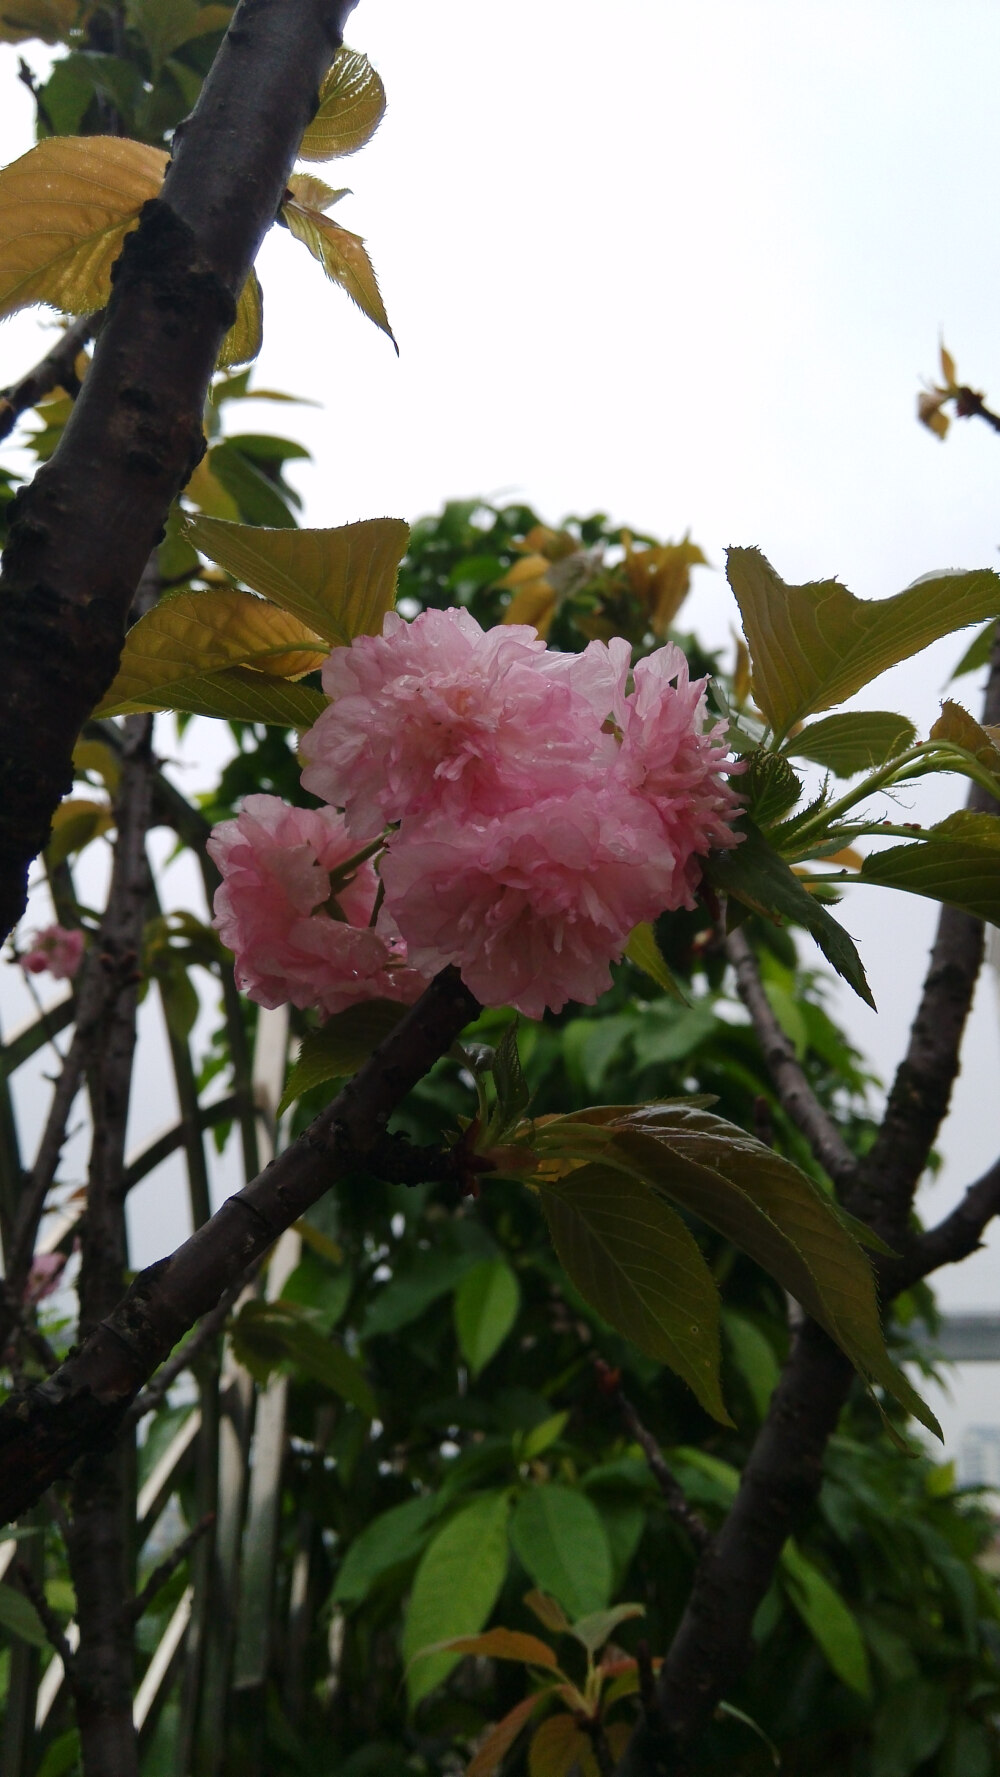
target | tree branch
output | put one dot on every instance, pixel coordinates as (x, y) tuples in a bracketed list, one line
[(209, 1327), (954, 1238), (35, 1592), (677, 1502), (795, 1094), (135, 433), (44, 1430), (57, 370), (167, 1567)]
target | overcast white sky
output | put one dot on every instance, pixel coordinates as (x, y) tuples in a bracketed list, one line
[(685, 264)]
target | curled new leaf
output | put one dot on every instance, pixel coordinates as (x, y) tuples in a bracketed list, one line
[(341, 253), (351, 107)]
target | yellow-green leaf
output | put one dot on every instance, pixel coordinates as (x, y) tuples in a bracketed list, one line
[(239, 694), (194, 633), (65, 208), (957, 862), (456, 1586), (246, 335), (766, 1206), (51, 20), (813, 646), (956, 725), (351, 107), (75, 823), (858, 740), (636, 1262), (342, 256), (341, 582), (643, 950)]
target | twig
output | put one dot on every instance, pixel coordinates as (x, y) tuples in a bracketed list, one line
[(16, 1314), (56, 370), (954, 1238), (677, 1502), (970, 405), (47, 1617), (160, 1575), (647, 1680), (603, 1756), (184, 1358), (795, 1094)]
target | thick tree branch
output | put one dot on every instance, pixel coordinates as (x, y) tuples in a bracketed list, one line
[(43, 1431), (954, 1238), (795, 1094), (57, 370), (135, 433)]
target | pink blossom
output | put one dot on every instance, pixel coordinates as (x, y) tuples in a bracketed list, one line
[(673, 762), (439, 714), (43, 1278), (292, 942), (533, 905), (56, 949)]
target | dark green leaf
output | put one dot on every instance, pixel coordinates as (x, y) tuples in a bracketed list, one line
[(827, 1618), (486, 1304), (19, 1617), (754, 874), (640, 1267), (770, 787), (557, 1535)]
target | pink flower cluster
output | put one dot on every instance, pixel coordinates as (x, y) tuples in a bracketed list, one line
[(56, 950), (529, 810)]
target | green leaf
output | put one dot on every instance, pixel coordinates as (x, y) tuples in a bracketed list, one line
[(643, 951), (958, 863), (770, 787), (254, 494), (75, 823), (266, 1334), (540, 1437), (62, 1755), (165, 24), (911, 1724), (342, 1046), (754, 874), (413, 1288), (456, 1586), (393, 1537), (340, 582), (246, 335), (341, 253), (594, 1630), (826, 1616), (813, 646), (977, 654), (194, 634), (858, 740), (351, 107), (557, 1535), (752, 1354), (774, 1212), (51, 20), (19, 1617), (486, 1305), (79, 78), (637, 1263)]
